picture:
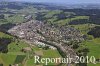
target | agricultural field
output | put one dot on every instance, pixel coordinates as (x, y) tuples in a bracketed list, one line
[(84, 28), (12, 19), (93, 46), (68, 20), (16, 56), (15, 19)]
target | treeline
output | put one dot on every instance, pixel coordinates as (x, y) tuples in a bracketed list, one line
[(83, 12), (79, 21), (95, 32), (56, 16), (4, 44), (94, 15)]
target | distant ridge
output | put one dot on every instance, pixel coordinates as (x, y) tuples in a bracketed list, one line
[(60, 5)]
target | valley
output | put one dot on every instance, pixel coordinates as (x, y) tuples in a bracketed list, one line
[(29, 29)]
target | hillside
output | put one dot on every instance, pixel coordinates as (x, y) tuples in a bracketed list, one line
[(29, 29)]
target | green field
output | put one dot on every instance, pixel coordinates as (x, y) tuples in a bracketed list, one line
[(84, 28), (16, 56), (16, 19), (94, 46), (66, 21), (7, 59)]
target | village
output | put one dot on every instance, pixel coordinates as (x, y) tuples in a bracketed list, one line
[(44, 35), (36, 30)]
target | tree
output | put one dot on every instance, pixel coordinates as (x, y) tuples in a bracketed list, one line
[(2, 16)]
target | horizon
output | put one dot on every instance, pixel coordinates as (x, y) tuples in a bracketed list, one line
[(60, 2)]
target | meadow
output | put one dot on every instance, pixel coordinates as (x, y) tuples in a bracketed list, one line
[(16, 56)]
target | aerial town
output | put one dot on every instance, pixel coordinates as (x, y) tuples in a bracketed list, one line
[(42, 34), (49, 30)]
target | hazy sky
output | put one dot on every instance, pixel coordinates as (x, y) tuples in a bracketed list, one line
[(64, 1)]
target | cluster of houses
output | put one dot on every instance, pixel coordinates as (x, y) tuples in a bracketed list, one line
[(42, 45), (36, 30)]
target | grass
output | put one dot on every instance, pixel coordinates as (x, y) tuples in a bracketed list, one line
[(94, 46), (29, 10), (3, 21), (30, 62), (80, 17), (84, 28), (98, 64), (4, 35), (66, 21), (7, 59), (15, 55), (19, 59), (16, 19), (51, 53), (46, 54), (17, 46), (50, 14)]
